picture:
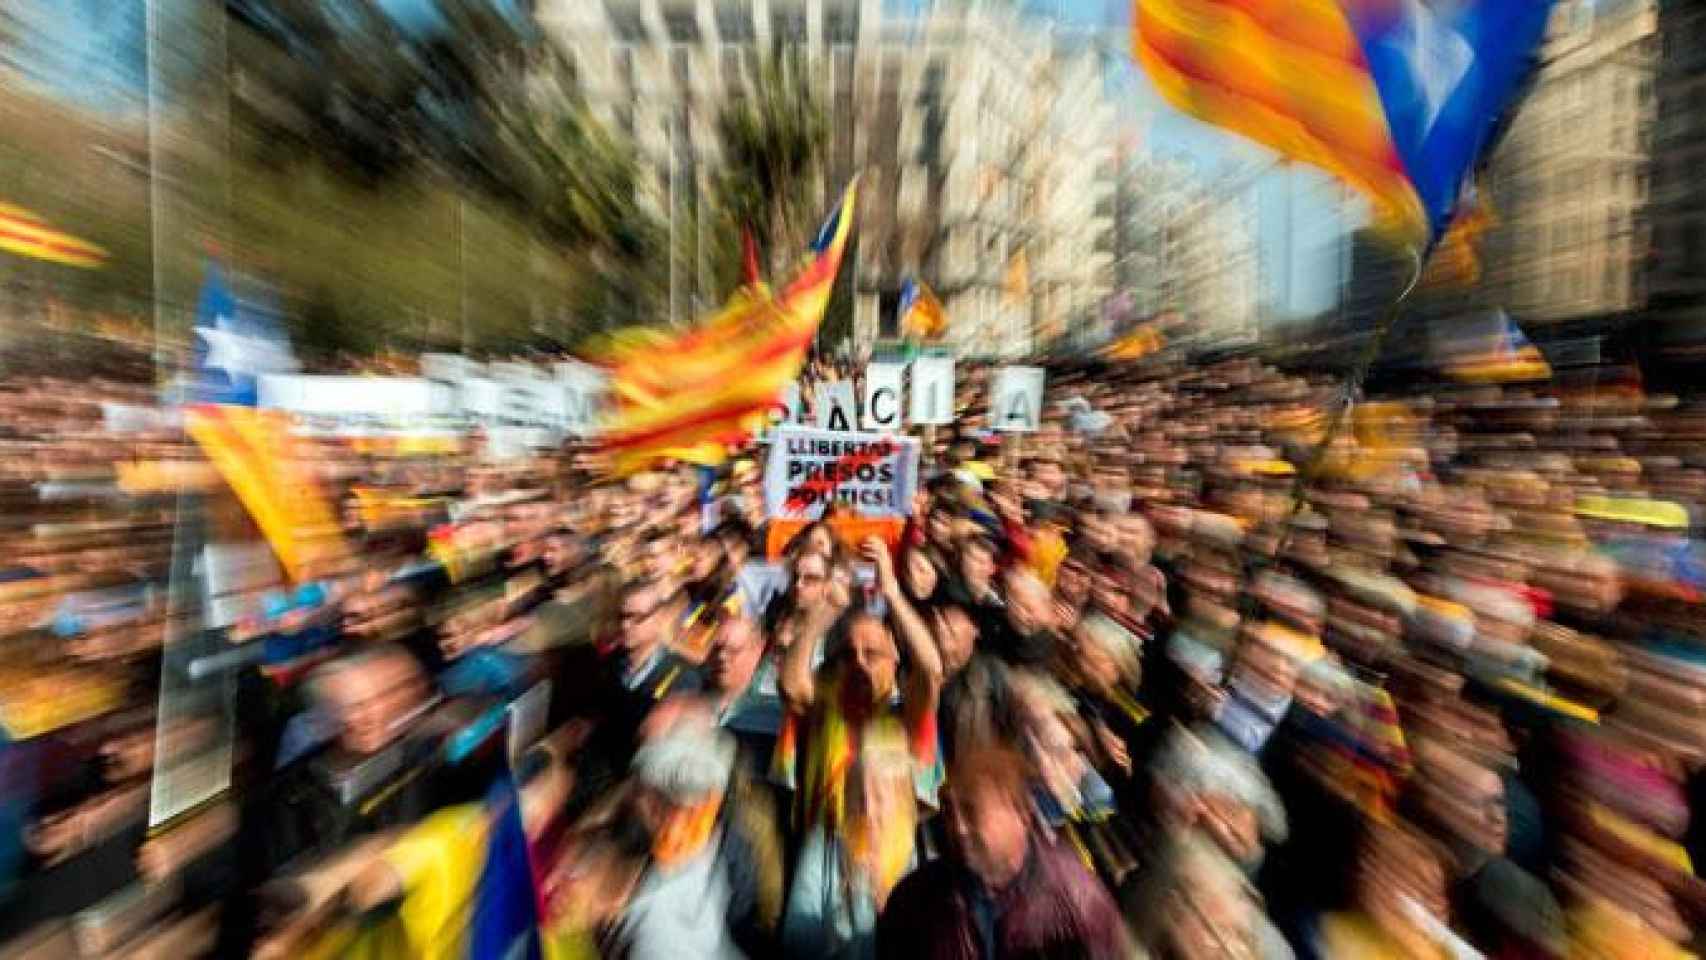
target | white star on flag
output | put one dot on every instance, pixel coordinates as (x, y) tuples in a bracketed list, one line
[(241, 356)]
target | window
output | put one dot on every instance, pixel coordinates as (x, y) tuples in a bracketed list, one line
[(734, 22), (681, 26)]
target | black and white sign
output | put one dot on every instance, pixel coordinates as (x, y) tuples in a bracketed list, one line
[(932, 390), (1016, 399), (836, 407), (882, 396), (873, 474)]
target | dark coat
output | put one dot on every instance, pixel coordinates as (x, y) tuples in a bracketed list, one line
[(1055, 908)]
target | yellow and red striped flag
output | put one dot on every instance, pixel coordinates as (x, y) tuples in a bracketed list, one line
[(686, 395), (1136, 345), (27, 235), (253, 451)]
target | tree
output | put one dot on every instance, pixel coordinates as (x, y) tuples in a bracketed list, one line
[(774, 143)]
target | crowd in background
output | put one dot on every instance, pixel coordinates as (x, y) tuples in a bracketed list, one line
[(1200, 668)]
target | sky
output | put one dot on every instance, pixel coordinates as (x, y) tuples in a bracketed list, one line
[(91, 52)]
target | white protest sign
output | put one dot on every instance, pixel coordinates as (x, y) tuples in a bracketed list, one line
[(448, 367), (836, 408), (582, 390), (932, 390), (874, 474), (1016, 399), (481, 398), (882, 396), (528, 399)]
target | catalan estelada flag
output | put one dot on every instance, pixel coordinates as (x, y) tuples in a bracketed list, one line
[(1504, 354), (252, 450), (27, 235), (686, 395), (921, 314), (1399, 98)]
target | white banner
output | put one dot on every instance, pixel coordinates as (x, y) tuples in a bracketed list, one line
[(882, 396), (1016, 399), (932, 390), (873, 474), (584, 390), (837, 409)]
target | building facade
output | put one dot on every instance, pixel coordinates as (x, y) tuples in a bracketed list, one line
[(977, 139), (1570, 181), (1677, 265)]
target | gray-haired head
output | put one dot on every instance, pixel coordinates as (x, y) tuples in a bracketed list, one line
[(1203, 762), (686, 764)]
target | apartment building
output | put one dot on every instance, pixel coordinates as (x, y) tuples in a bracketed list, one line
[(977, 137)]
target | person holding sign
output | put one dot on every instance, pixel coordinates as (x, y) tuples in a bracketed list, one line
[(845, 745)]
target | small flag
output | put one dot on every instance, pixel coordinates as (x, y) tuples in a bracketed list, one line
[(1136, 345), (234, 347), (1508, 358), (921, 314), (27, 235), (506, 900)]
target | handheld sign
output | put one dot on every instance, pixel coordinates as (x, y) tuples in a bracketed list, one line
[(836, 408), (932, 390), (882, 396), (1016, 400), (871, 474)]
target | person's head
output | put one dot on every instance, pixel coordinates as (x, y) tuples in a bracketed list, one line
[(956, 636), (1207, 908), (659, 557), (704, 559), (988, 804), (735, 655), (562, 552), (1047, 474), (735, 536), (939, 525), (1205, 782), (680, 778), (920, 573), (810, 581), (1397, 865), (1139, 538), (1105, 654), (643, 611), (977, 562), (1072, 581), (871, 658), (817, 538), (371, 694), (1030, 608), (1270, 656)]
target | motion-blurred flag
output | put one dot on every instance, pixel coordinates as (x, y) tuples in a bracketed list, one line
[(686, 395), (234, 347), (1509, 357), (921, 314), (1397, 97), (1456, 262), (1136, 345), (27, 235), (253, 451)]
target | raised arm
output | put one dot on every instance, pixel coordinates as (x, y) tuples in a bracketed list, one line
[(925, 676)]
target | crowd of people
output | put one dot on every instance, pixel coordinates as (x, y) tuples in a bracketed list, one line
[(1199, 668)]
